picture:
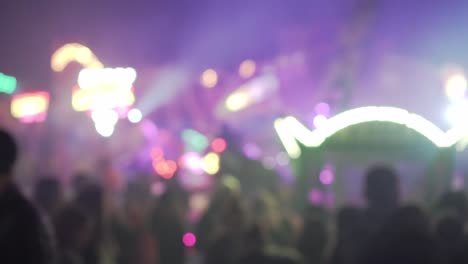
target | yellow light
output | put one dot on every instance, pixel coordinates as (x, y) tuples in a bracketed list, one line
[(210, 163), (101, 97), (238, 101), (74, 52), (289, 129), (247, 69), (209, 78), (455, 87), (29, 105)]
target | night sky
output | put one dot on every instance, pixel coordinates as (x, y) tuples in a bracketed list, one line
[(209, 33)]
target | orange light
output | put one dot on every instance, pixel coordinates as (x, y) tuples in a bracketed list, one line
[(30, 107), (165, 168), (209, 78), (247, 69)]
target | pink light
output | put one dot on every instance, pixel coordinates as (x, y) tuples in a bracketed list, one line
[(252, 151), (219, 145), (326, 176), (315, 196), (158, 188), (319, 120), (192, 162), (189, 239), (165, 168), (157, 154), (322, 109)]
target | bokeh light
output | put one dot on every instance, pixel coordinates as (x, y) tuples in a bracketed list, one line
[(237, 101), (251, 151), (211, 163), (158, 188), (105, 129), (327, 176), (269, 163), (315, 196), (189, 239), (191, 161), (134, 115), (282, 158), (209, 78), (30, 107), (218, 145), (194, 140), (7, 84), (122, 78), (455, 87), (322, 109), (165, 168), (247, 69), (319, 121)]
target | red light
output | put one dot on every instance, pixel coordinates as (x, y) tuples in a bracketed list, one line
[(219, 145), (165, 168)]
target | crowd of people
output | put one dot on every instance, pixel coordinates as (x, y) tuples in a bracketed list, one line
[(88, 228)]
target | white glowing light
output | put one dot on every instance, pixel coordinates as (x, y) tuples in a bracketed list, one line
[(134, 115), (105, 130), (122, 78), (289, 129), (252, 92), (457, 112), (455, 87), (74, 52), (104, 121)]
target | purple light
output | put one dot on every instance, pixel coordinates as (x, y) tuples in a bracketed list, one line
[(315, 196), (322, 109), (326, 176), (252, 151), (319, 120), (158, 188), (189, 239)]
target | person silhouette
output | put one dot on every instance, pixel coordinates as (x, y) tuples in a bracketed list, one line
[(23, 236)]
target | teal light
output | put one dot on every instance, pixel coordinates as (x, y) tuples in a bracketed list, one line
[(7, 84), (194, 141)]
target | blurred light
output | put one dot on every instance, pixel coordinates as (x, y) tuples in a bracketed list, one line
[(195, 182), (104, 116), (165, 168), (157, 154), (73, 52), (195, 140), (247, 69), (30, 107), (199, 202), (252, 151), (290, 129), (269, 163), (231, 182), (319, 120), (209, 78), (134, 115), (158, 188), (189, 239), (211, 163), (237, 101), (252, 92), (327, 176), (455, 87), (103, 97), (322, 109), (218, 145), (457, 112), (315, 196), (192, 162), (7, 84), (105, 130), (121, 78), (282, 158)]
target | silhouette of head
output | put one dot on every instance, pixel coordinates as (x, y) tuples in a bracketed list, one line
[(47, 193), (455, 202), (72, 227), (8, 153), (381, 187)]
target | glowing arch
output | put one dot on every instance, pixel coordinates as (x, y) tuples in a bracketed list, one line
[(74, 52), (290, 130)]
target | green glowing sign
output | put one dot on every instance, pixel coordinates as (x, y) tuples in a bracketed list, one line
[(7, 84)]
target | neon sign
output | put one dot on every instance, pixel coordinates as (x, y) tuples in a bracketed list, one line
[(74, 52)]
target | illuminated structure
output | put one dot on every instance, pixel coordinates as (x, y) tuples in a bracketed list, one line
[(368, 134), (7, 84), (30, 107)]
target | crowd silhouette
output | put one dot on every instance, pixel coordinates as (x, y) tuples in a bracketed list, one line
[(85, 228)]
